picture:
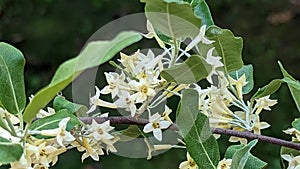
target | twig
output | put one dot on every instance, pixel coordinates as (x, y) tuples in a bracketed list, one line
[(247, 135)]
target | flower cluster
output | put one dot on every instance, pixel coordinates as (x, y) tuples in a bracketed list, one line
[(42, 147), (223, 103)]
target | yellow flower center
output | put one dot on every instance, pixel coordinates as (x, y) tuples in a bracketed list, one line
[(100, 131), (144, 89), (155, 125), (192, 164)]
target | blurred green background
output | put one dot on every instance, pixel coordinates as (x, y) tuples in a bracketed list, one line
[(49, 32)]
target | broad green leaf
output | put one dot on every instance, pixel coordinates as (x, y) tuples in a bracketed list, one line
[(52, 121), (172, 18), (9, 152), (248, 71), (201, 10), (269, 89), (194, 127), (296, 124), (12, 90), (60, 103), (252, 161), (227, 46), (241, 156), (293, 85), (131, 133), (95, 53), (191, 70)]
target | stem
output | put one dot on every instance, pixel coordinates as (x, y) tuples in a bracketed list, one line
[(245, 134)]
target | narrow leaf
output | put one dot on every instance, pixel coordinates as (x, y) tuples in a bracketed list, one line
[(172, 18), (52, 121), (269, 89), (9, 152), (227, 46), (95, 53), (293, 85), (248, 71), (12, 90), (194, 127), (191, 70), (252, 162)]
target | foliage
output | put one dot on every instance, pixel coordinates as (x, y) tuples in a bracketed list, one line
[(143, 82)]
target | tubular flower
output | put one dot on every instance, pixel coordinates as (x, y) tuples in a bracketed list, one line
[(95, 101), (152, 34), (100, 131), (189, 164), (199, 38), (294, 162), (155, 125), (62, 135), (224, 164), (264, 103), (239, 83), (115, 83)]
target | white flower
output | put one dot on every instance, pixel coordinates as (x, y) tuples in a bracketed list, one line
[(40, 153), (61, 133), (143, 88), (224, 164), (199, 38), (152, 34), (294, 162), (214, 61), (189, 164), (129, 61), (22, 163), (294, 132), (115, 81), (155, 125), (91, 149), (100, 131), (42, 113), (126, 101), (264, 103), (95, 101), (166, 113), (239, 83)]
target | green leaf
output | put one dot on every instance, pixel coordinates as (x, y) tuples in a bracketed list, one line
[(269, 89), (172, 18), (60, 103), (51, 122), (227, 46), (252, 162), (9, 152), (287, 150), (201, 10), (191, 70), (194, 126), (241, 156), (95, 53), (12, 90), (293, 85), (248, 71), (296, 124), (131, 133)]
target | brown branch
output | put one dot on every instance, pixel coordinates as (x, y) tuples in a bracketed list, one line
[(247, 135)]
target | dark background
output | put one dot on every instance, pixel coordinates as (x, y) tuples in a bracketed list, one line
[(49, 32)]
